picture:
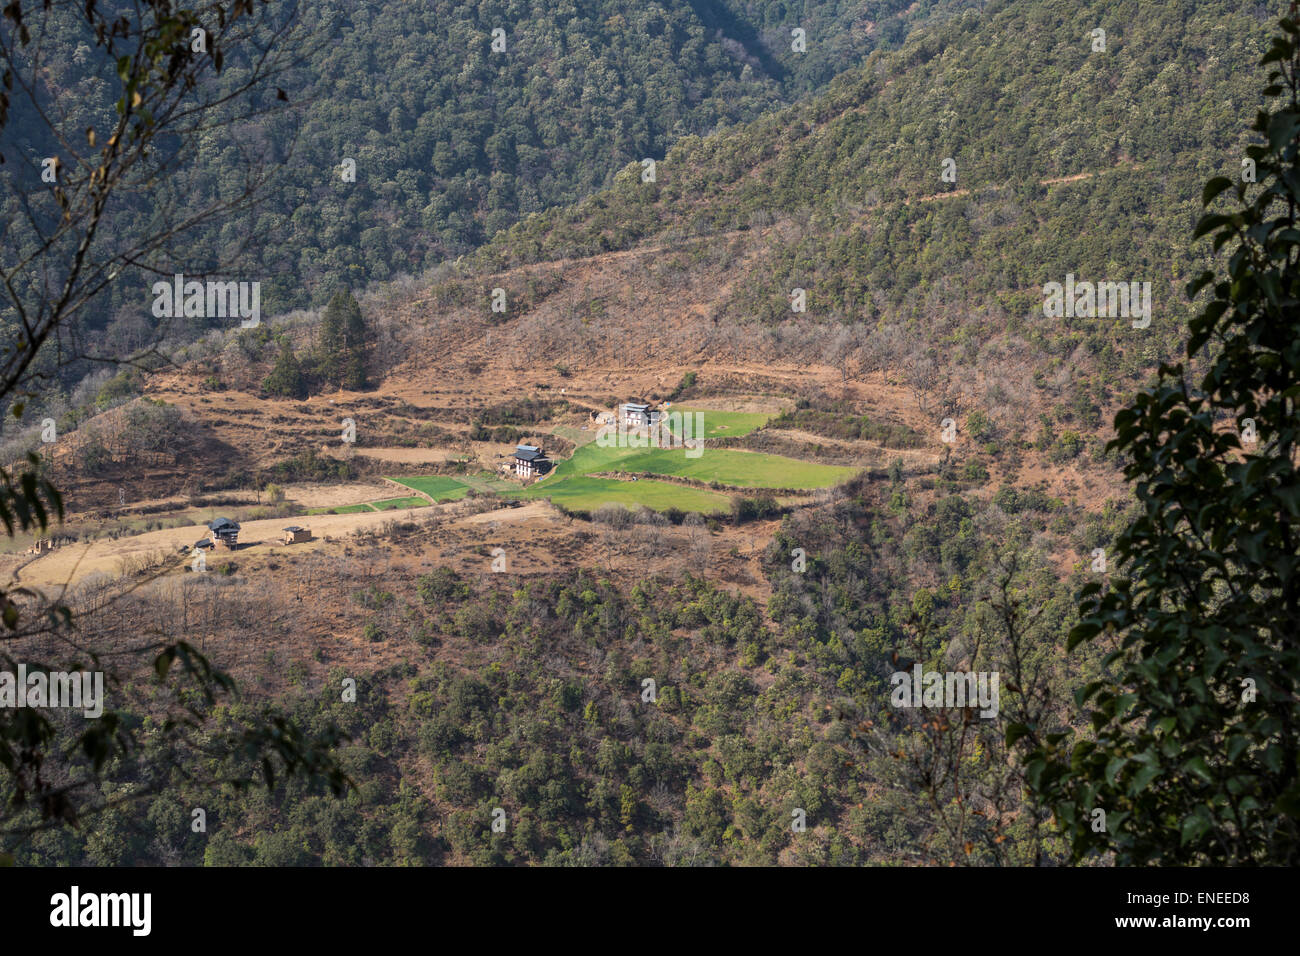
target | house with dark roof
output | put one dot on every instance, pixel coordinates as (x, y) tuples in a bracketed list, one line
[(225, 533), (530, 460)]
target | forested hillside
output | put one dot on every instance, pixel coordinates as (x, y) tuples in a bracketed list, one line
[(1068, 161), (531, 696), (524, 692), (403, 138), (840, 195)]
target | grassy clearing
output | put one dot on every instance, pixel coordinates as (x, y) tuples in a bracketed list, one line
[(588, 494), (587, 459), (744, 469), (488, 483), (340, 510), (437, 487), (415, 501), (726, 424), (575, 435)]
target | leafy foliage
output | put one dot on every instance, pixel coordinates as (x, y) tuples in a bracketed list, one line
[(1195, 729)]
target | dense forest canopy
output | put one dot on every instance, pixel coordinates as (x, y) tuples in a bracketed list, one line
[(403, 138)]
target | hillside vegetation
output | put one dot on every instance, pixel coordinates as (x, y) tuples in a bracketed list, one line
[(632, 689)]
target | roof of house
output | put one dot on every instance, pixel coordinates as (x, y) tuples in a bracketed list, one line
[(528, 453), (292, 527), (633, 406), (223, 524)]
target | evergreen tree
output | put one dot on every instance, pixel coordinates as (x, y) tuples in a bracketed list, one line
[(329, 346), (342, 343), (286, 377), (1193, 755)]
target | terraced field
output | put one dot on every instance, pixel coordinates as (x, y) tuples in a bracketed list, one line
[(414, 501), (341, 510), (727, 424), (437, 487), (574, 482), (744, 469), (588, 494)]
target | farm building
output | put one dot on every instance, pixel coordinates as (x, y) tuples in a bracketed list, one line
[(225, 533), (636, 416), (294, 534), (45, 545), (530, 460)]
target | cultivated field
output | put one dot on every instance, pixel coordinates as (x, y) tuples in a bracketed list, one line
[(727, 466), (721, 424), (437, 487), (587, 494)]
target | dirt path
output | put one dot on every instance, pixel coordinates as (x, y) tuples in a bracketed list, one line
[(332, 496), (73, 563), (409, 456), (1077, 177), (406, 491), (684, 244), (535, 509)]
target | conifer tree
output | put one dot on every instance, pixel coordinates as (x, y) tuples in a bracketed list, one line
[(342, 342), (286, 377)]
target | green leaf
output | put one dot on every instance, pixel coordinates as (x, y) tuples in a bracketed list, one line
[(1215, 186)]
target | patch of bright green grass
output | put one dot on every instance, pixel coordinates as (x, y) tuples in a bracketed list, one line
[(744, 469), (388, 504), (588, 494), (340, 510), (437, 487), (725, 424)]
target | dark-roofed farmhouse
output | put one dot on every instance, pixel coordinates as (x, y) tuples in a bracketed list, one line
[(225, 533), (530, 460)]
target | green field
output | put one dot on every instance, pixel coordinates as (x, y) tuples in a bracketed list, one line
[(340, 510), (437, 487), (727, 424), (588, 494), (488, 483), (415, 501), (585, 460), (744, 469), (571, 484)]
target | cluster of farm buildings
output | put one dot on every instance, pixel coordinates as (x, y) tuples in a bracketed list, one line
[(223, 535), (527, 462), (530, 461)]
